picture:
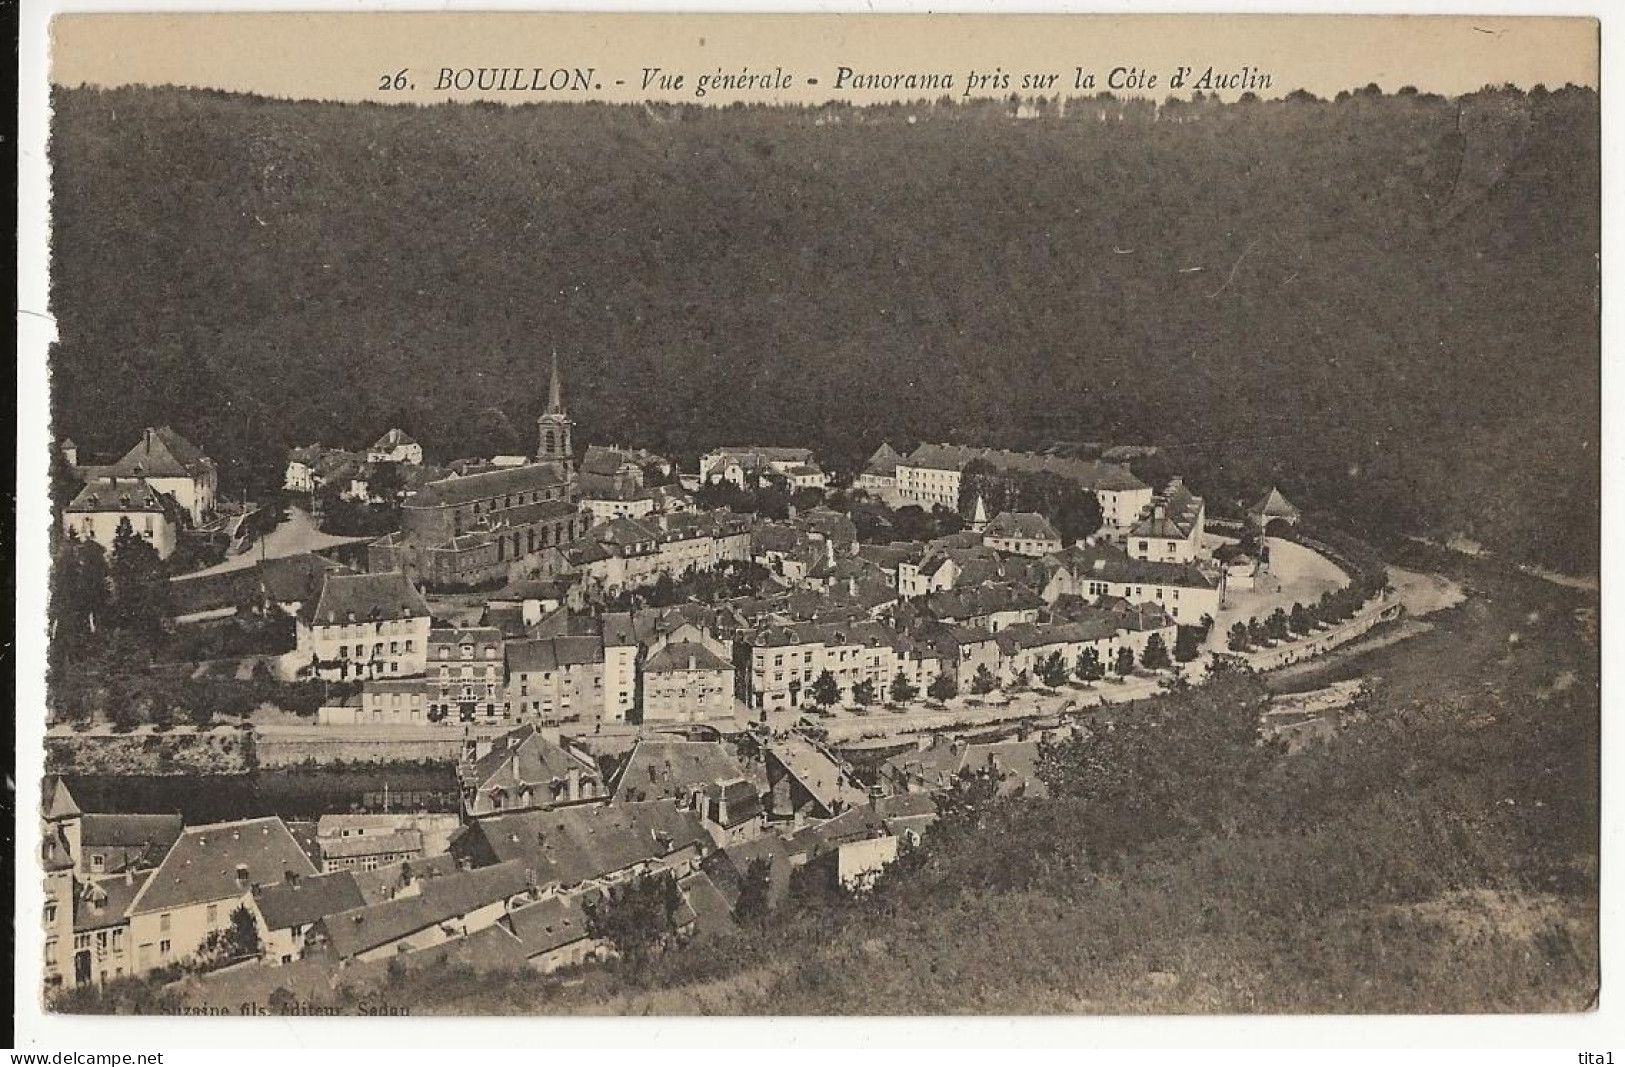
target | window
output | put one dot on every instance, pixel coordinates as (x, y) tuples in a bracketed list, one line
[(50, 912), (394, 648), (409, 647), (163, 947), (163, 924), (98, 862), (344, 651), (212, 914), (118, 939)]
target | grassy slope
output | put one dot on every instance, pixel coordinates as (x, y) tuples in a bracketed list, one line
[(1441, 858)]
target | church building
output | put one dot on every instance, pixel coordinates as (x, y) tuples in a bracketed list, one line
[(496, 526)]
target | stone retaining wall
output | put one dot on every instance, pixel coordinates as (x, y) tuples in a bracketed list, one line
[(273, 752)]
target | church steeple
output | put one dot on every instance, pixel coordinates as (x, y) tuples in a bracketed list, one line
[(554, 426), (978, 520), (555, 390)]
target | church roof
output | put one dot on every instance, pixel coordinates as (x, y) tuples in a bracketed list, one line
[(485, 484)]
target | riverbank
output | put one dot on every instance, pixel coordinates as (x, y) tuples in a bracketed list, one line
[(146, 751)]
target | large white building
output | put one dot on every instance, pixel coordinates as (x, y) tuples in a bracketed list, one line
[(1182, 590), (930, 476), (170, 464), (1170, 528), (364, 626)]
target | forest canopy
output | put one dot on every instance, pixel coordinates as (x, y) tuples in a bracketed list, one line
[(1387, 304)]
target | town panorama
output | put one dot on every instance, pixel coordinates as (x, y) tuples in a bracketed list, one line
[(1055, 711)]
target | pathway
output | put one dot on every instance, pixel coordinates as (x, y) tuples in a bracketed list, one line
[(298, 535)]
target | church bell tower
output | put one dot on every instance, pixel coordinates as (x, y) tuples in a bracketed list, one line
[(554, 426)]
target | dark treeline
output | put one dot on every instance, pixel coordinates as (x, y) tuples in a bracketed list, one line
[(1387, 303)]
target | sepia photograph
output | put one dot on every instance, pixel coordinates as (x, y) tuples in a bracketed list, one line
[(654, 514)]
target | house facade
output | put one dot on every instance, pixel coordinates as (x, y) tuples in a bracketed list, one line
[(687, 681), (1170, 529), (208, 872), (467, 674), (1023, 533), (364, 626), (1184, 591), (99, 509), (558, 680), (395, 447)]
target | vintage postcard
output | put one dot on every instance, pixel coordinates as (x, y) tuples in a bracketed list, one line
[(842, 514)]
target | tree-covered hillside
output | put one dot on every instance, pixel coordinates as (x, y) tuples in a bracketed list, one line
[(1386, 303)]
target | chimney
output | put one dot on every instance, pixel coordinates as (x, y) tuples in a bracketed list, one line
[(573, 777), (129, 876), (722, 806), (292, 878)]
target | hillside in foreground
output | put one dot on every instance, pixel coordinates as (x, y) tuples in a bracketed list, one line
[(1386, 303), (1439, 856)]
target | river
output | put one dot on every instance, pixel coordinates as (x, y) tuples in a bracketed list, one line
[(294, 793)]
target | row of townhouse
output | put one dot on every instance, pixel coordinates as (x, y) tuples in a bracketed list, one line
[(518, 880), (945, 634), (970, 581), (654, 665), (1165, 527), (627, 553)]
